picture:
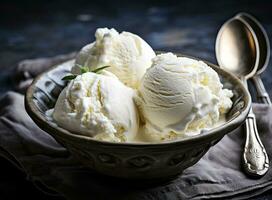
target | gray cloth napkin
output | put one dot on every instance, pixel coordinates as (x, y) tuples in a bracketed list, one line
[(27, 70), (217, 175)]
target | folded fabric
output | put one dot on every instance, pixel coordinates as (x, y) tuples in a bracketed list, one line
[(217, 175), (29, 69)]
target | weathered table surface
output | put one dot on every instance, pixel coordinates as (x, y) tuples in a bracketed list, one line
[(33, 29)]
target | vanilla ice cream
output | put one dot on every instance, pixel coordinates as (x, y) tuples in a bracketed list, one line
[(127, 55), (179, 95), (99, 106)]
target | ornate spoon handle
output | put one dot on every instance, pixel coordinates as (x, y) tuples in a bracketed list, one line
[(255, 158), (261, 91)]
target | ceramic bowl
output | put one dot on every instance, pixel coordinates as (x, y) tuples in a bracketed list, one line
[(154, 161)]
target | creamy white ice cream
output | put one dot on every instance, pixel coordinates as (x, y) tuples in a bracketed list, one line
[(99, 106), (127, 54), (179, 95)]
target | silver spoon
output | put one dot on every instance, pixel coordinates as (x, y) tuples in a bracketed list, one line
[(264, 46), (237, 50)]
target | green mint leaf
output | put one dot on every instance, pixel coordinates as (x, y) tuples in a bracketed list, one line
[(84, 70), (97, 70), (69, 77)]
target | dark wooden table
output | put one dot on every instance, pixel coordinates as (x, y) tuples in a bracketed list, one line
[(31, 29)]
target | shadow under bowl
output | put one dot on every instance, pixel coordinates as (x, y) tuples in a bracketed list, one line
[(154, 161)]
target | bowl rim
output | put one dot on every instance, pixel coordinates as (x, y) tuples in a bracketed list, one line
[(60, 132)]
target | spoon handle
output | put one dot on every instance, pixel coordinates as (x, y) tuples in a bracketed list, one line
[(261, 91), (255, 158)]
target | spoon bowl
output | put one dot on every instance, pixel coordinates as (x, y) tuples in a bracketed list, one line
[(264, 47), (236, 50)]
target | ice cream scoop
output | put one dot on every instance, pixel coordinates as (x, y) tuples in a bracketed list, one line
[(127, 54), (99, 106), (178, 95)]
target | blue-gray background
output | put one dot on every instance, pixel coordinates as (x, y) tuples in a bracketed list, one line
[(34, 28)]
